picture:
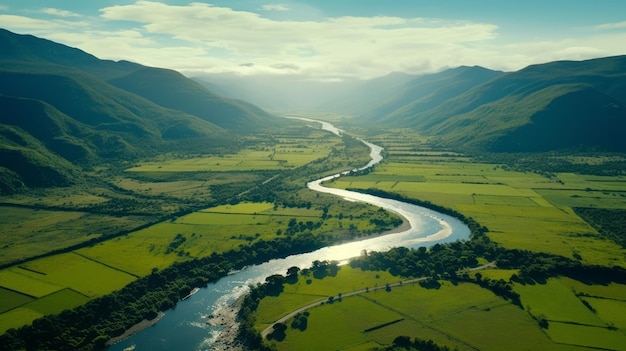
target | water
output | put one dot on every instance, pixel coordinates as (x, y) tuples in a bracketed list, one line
[(185, 326)]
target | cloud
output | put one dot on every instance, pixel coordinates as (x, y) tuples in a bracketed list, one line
[(34, 25), (364, 46), (60, 13), (202, 38), (274, 7), (609, 26)]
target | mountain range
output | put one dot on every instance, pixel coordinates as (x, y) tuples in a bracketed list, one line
[(566, 105), (62, 109)]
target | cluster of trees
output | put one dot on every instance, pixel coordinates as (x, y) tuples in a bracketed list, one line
[(611, 223), (405, 343)]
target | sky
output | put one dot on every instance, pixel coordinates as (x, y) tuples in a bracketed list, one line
[(327, 40)]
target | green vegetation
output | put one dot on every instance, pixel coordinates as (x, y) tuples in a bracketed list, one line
[(572, 106), (523, 221), (191, 186), (521, 209), (250, 232), (609, 222), (450, 306)]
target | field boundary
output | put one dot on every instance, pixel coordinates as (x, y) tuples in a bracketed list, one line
[(104, 264)]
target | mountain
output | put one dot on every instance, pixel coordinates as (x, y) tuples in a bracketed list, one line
[(171, 89), (62, 109), (427, 92), (558, 105)]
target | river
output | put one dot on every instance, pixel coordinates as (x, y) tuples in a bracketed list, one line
[(185, 327)]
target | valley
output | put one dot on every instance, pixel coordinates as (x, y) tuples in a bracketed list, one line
[(124, 187), (519, 210)]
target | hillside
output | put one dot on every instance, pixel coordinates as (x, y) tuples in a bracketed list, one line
[(72, 109), (428, 92), (559, 105), (171, 89)]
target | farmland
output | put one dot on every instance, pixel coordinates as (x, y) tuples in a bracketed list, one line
[(443, 315), (125, 228), (522, 210), (283, 152)]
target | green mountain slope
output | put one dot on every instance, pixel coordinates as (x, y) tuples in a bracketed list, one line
[(172, 90), (24, 161), (427, 92), (27, 49), (559, 117), (59, 102), (559, 105)]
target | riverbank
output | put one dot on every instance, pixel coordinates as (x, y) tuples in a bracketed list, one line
[(146, 323), (222, 329)]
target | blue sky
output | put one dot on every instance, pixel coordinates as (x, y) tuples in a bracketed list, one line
[(327, 39)]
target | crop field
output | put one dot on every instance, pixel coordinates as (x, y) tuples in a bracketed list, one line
[(308, 289), (54, 284), (462, 316), (284, 152), (17, 317), (57, 302), (23, 311), (30, 232), (107, 266), (338, 325), (11, 299), (76, 272), (570, 321), (522, 210), (217, 229)]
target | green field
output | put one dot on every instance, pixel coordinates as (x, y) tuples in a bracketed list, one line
[(108, 266), (570, 321), (31, 232), (218, 229), (285, 152), (308, 289), (522, 210), (462, 316), (11, 299)]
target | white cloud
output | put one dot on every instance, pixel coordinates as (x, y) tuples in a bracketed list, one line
[(60, 13), (199, 37), (364, 46), (609, 26), (274, 7), (34, 26)]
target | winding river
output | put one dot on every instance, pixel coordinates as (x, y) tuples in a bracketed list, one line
[(185, 326)]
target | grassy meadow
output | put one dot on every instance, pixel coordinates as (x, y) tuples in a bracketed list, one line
[(522, 210), (29, 232), (282, 153), (107, 266), (69, 279), (39, 221), (462, 316)]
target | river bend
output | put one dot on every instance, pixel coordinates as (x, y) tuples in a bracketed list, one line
[(185, 326)]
